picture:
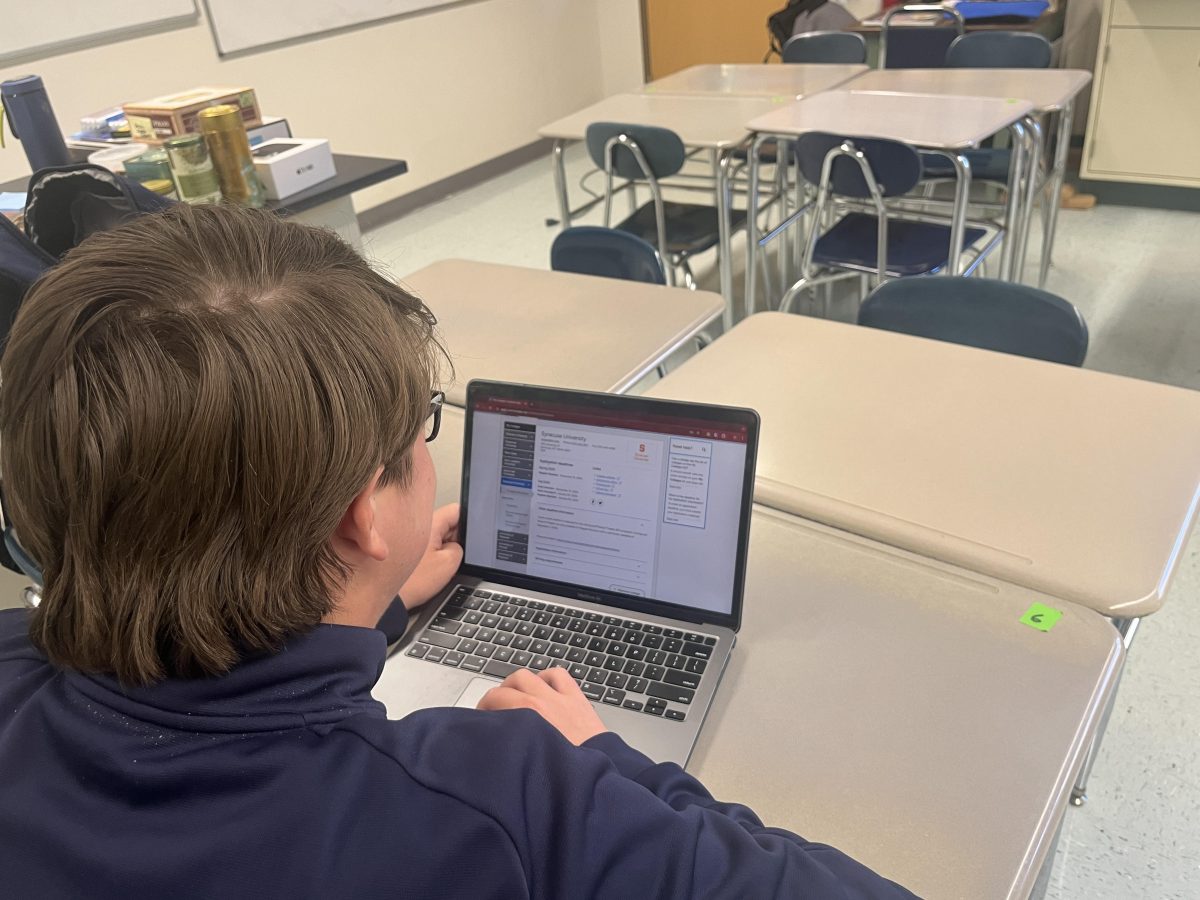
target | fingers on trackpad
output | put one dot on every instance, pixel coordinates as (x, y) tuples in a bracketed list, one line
[(473, 693)]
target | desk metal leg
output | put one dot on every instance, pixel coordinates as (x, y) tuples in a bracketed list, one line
[(750, 301), (557, 156), (1128, 628), (958, 222), (1012, 213), (781, 193), (722, 161), (1037, 141), (1061, 150)]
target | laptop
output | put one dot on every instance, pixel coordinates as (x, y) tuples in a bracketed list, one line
[(603, 534)]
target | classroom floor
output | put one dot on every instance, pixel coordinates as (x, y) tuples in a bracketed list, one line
[(1132, 272)]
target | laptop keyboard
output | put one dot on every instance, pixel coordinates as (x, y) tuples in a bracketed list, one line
[(623, 662)]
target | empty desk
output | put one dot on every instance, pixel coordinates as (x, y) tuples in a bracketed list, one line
[(555, 328), (1049, 90), (898, 709), (946, 124), (1076, 483), (792, 81), (714, 123)]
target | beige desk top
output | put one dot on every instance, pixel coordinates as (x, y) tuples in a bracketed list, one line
[(790, 81), (712, 122), (1076, 483), (935, 121), (1047, 89), (894, 706), (541, 327), (912, 720)]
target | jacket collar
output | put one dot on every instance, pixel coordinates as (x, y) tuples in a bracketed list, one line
[(320, 677)]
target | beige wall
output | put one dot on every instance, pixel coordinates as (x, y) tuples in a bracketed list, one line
[(445, 90)]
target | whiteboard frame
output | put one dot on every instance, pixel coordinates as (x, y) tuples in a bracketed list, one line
[(112, 36), (276, 43)]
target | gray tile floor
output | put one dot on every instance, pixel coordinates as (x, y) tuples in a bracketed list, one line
[(1132, 272)]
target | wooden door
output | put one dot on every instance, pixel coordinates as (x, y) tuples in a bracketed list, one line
[(682, 33)]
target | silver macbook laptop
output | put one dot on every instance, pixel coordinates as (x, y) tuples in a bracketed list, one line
[(603, 534)]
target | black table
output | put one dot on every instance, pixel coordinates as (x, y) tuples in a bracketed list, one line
[(353, 174)]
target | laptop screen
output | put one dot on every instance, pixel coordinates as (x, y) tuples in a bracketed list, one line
[(642, 500)]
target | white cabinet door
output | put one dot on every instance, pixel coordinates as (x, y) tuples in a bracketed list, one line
[(1146, 124)]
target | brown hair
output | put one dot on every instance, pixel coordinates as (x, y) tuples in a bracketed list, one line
[(189, 404)]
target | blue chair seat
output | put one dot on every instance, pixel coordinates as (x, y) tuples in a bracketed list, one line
[(986, 165), (691, 228), (914, 248)]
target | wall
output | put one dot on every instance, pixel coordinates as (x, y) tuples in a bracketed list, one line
[(1081, 36), (620, 37), (445, 90)]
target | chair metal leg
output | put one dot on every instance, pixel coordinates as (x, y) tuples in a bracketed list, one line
[(560, 182), (785, 304), (689, 280)]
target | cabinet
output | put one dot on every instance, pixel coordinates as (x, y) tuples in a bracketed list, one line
[(1144, 122)]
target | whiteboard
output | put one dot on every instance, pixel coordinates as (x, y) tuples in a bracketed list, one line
[(33, 28), (244, 24)]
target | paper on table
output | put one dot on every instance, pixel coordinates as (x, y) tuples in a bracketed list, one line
[(12, 201)]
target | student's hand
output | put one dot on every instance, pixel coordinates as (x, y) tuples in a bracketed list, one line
[(440, 562), (552, 694)]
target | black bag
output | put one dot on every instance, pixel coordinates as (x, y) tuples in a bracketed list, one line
[(64, 205), (780, 24)]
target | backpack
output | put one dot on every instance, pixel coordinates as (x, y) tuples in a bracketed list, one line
[(64, 205), (781, 24)]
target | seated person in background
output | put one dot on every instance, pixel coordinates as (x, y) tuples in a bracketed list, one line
[(212, 426)]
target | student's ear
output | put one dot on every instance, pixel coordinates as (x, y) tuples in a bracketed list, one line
[(357, 532)]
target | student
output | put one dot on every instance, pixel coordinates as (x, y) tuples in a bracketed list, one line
[(212, 427)]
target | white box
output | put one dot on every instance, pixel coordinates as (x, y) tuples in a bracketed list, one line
[(288, 166)]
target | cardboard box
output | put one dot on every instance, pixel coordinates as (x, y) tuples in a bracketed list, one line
[(287, 166), (157, 120)]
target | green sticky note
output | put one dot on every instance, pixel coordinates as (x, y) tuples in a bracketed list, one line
[(1041, 617)]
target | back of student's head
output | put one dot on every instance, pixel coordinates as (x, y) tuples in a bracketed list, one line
[(189, 404)]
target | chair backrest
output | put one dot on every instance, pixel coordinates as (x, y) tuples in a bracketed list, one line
[(908, 41), (896, 166), (980, 312), (999, 50), (845, 47), (660, 147), (607, 252)]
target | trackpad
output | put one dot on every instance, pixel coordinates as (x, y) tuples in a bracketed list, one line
[(470, 697)]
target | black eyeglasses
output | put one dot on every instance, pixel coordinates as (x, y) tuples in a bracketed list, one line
[(434, 419)]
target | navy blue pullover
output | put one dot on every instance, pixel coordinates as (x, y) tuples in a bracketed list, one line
[(284, 778)]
